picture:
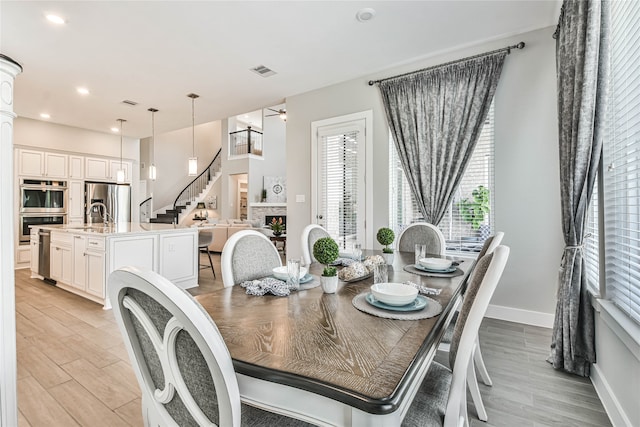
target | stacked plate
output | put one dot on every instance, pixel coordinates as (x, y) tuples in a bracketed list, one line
[(396, 297), (436, 265)]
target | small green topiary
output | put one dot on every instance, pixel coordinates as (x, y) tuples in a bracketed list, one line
[(325, 250), (385, 237)]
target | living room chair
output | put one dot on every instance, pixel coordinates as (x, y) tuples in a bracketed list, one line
[(477, 361), (310, 235), (182, 364), (422, 233), (205, 238), (442, 397), (248, 255)]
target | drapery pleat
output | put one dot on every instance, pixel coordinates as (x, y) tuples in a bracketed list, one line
[(582, 72), (436, 117)]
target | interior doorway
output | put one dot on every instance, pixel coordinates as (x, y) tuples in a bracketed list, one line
[(239, 186)]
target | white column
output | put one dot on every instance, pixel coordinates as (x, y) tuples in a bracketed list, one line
[(9, 69)]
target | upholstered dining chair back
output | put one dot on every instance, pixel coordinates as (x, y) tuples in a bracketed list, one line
[(422, 233), (248, 255), (310, 235), (491, 243), (185, 378)]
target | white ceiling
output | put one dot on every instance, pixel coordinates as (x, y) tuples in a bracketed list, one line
[(155, 53)]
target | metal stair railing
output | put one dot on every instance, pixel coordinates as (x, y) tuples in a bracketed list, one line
[(145, 210), (199, 183)]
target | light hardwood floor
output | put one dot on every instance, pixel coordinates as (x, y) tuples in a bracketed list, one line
[(73, 369)]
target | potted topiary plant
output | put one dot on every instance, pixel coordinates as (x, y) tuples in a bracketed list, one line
[(385, 237), (325, 251)]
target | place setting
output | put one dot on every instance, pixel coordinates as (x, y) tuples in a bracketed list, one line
[(400, 301), (285, 279), (431, 266)]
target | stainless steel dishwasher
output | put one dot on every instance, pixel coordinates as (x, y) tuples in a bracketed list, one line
[(44, 251)]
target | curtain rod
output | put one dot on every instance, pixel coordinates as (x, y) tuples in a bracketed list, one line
[(508, 49)]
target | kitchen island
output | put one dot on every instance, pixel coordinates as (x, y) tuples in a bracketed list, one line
[(82, 257)]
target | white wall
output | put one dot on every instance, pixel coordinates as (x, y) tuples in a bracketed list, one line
[(226, 201), (172, 151), (527, 189), (273, 162), (51, 136)]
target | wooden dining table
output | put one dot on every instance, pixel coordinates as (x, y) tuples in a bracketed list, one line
[(315, 357)]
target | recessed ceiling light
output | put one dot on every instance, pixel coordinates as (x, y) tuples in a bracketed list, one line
[(365, 14), (56, 19), (115, 130), (83, 91), (45, 116)]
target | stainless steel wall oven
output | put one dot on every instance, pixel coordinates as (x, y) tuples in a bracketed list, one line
[(38, 196), (42, 202), (27, 219)]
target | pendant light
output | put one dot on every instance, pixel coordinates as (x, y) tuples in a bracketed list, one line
[(152, 167), (120, 172), (193, 160)]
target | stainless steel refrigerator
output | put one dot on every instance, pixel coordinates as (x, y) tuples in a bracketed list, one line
[(116, 197)]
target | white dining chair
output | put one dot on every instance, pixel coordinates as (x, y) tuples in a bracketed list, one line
[(477, 362), (182, 364), (442, 397), (422, 233), (310, 235), (248, 255)]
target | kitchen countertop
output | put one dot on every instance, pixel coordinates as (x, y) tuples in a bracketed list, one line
[(116, 229)]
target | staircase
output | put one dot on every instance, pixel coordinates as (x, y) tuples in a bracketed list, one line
[(191, 194)]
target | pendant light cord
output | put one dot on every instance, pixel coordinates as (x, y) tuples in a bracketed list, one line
[(193, 127)]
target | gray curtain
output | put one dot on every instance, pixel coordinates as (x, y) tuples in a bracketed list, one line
[(582, 69), (436, 117)]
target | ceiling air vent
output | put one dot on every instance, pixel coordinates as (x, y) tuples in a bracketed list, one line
[(263, 71), (132, 103)]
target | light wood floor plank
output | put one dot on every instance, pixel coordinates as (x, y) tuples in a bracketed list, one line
[(132, 413), (45, 370), (101, 384), (87, 410), (39, 407)]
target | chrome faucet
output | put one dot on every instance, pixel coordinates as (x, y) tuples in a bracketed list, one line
[(105, 215)]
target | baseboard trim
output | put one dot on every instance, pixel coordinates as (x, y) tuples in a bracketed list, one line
[(528, 317), (614, 410)]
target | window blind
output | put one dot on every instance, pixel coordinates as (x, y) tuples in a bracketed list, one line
[(591, 243), (463, 232), (622, 162), (339, 183)]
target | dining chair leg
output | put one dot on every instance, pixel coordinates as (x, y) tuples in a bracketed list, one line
[(211, 263), (479, 362), (472, 385)]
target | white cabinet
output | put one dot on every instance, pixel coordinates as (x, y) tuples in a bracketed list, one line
[(115, 167), (97, 169), (42, 164), (88, 265), (75, 213), (94, 264), (76, 167), (30, 163), (106, 170), (55, 165), (61, 259), (178, 256)]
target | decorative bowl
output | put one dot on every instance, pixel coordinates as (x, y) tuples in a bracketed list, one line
[(281, 273), (435, 263), (395, 294)]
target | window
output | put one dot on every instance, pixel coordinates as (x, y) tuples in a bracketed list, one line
[(621, 167), (464, 233)]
